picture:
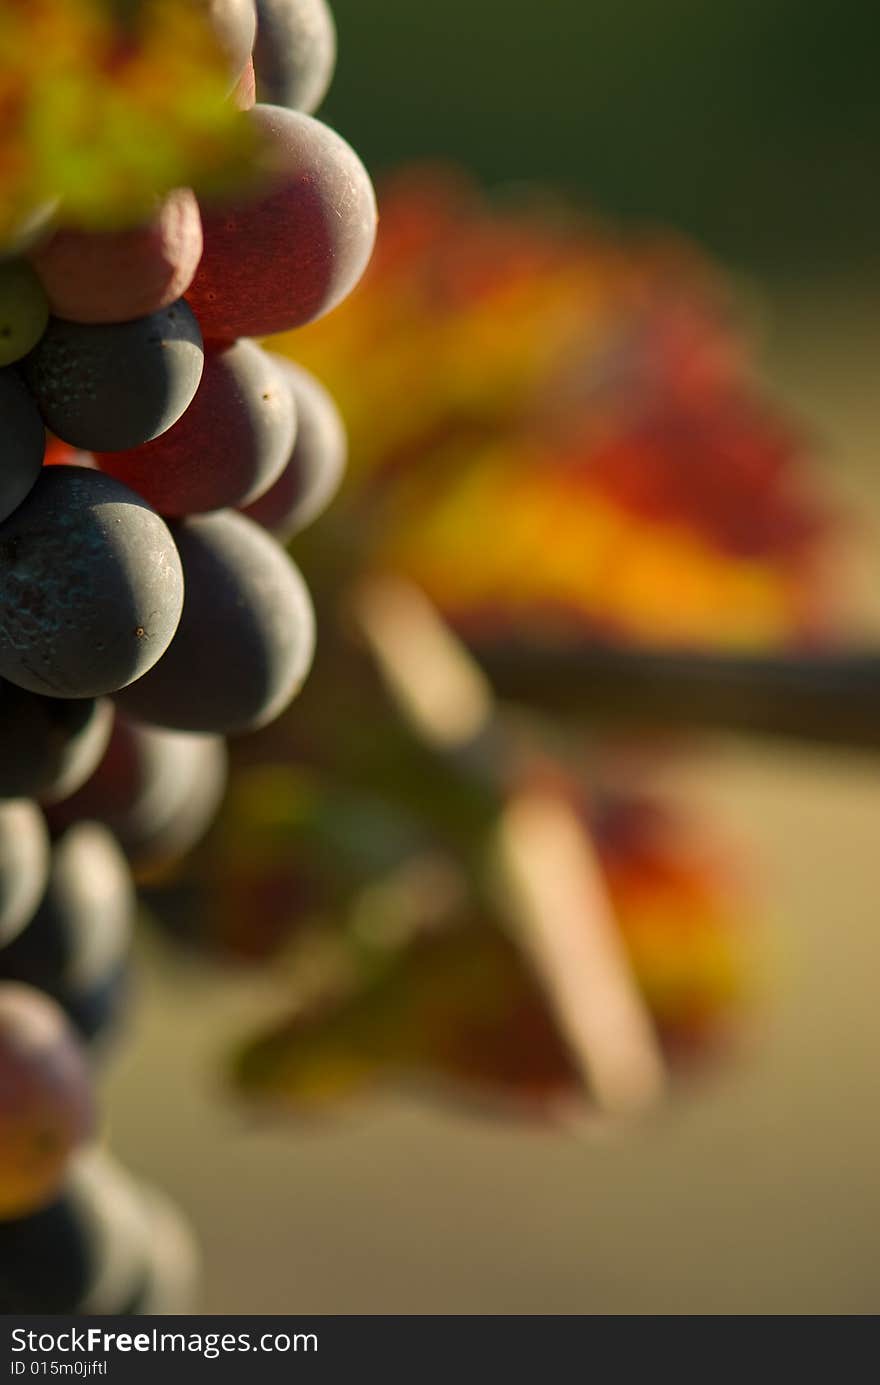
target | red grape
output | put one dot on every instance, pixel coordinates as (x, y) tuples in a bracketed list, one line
[(229, 446), (113, 276), (290, 254), (46, 1105)]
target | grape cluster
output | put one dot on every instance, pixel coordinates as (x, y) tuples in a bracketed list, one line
[(153, 459)]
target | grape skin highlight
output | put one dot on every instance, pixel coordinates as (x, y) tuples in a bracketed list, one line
[(174, 1261), (24, 865), (246, 636), (91, 586)]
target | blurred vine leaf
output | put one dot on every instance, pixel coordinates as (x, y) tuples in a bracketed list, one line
[(559, 433), (104, 106), (452, 1005)]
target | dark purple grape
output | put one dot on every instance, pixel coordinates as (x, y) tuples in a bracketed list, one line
[(49, 745), (46, 1103), (316, 466), (295, 52), (229, 447), (22, 442), (24, 865), (81, 932), (108, 386), (91, 587), (188, 815), (246, 636), (47, 1260), (96, 1014), (86, 1252), (156, 790)]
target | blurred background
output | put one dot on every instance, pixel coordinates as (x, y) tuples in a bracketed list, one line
[(726, 135), (753, 126)]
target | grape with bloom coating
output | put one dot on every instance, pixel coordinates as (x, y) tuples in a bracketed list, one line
[(229, 446), (188, 814), (294, 251), (235, 24), (156, 790), (49, 745), (91, 586), (46, 1105), (22, 442), (314, 472), (81, 931), (113, 276), (24, 865), (24, 310), (295, 52), (246, 636), (107, 386)]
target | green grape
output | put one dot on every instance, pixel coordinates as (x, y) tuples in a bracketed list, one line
[(24, 310)]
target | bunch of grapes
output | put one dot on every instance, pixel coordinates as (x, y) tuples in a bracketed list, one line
[(154, 458)]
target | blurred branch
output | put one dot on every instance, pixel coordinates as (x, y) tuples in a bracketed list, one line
[(825, 698), (551, 887), (555, 898), (439, 688)]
